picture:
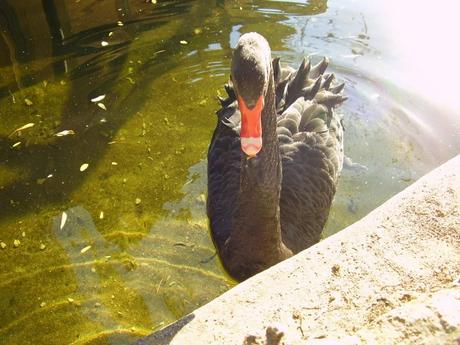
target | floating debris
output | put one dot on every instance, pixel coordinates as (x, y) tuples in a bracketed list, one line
[(101, 215), (84, 166), (138, 201), (114, 163), (197, 31), (23, 234), (26, 126), (184, 42), (97, 99), (131, 80), (110, 33), (12, 96), (16, 243), (2, 245), (28, 102), (84, 250), (42, 304), (120, 23), (102, 106), (65, 132), (42, 180), (104, 43), (16, 144), (70, 299), (42, 246), (63, 220)]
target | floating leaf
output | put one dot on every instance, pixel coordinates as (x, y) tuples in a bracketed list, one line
[(183, 42), (138, 201), (120, 23), (104, 43), (42, 246), (16, 144), (28, 102), (102, 106), (16, 243), (97, 99), (84, 166), (101, 215), (84, 250), (12, 97), (65, 132), (2, 245), (63, 220), (114, 163), (110, 33), (26, 126)]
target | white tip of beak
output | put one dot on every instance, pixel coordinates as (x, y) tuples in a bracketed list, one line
[(251, 146)]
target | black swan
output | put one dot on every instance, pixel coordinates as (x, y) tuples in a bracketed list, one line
[(274, 159)]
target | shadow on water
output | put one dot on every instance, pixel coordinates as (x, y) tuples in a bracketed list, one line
[(97, 71), (166, 335)]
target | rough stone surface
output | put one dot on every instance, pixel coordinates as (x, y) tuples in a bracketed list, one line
[(391, 278)]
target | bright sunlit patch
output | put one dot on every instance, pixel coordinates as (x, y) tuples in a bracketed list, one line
[(423, 40)]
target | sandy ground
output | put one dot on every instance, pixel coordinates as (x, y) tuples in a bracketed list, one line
[(391, 278)]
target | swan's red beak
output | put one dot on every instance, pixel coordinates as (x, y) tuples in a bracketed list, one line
[(251, 127)]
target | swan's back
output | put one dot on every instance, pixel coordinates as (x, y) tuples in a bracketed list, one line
[(310, 136)]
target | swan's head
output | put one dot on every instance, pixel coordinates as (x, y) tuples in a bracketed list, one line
[(250, 73)]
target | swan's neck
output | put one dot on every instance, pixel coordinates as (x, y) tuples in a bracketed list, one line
[(256, 242)]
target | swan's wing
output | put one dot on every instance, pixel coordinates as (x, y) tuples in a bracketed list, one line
[(224, 161), (304, 82), (311, 144)]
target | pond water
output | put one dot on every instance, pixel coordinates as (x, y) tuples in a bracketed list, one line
[(106, 111)]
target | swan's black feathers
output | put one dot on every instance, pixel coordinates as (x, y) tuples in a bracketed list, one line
[(328, 79), (337, 89), (319, 69), (310, 135)]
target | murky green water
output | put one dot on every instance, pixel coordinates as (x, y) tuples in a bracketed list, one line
[(110, 253)]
